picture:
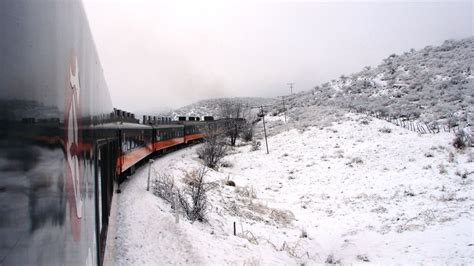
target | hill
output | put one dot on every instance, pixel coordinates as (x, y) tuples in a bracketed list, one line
[(433, 85), (211, 106)]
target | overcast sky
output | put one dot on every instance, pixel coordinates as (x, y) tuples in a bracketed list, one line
[(166, 54)]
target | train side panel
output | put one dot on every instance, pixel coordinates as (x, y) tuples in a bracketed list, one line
[(167, 136), (51, 89)]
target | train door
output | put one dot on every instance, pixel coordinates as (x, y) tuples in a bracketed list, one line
[(105, 177)]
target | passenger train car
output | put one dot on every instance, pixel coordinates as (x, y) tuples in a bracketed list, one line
[(63, 148)]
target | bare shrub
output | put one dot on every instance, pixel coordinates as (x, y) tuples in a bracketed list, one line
[(193, 198), (339, 154), (331, 260), (230, 183), (448, 196), (164, 187), (363, 257), (190, 178), (256, 145), (234, 114), (409, 192), (357, 160), (284, 217), (462, 140), (429, 154), (247, 131), (304, 233), (442, 169), (213, 150), (451, 157), (466, 173), (249, 236), (291, 250), (385, 130), (247, 192)]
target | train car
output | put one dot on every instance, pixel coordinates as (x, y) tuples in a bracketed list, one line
[(136, 145), (55, 167), (167, 136), (194, 130)]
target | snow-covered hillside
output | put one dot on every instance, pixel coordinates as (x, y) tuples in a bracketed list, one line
[(434, 84), (360, 190), (212, 106)]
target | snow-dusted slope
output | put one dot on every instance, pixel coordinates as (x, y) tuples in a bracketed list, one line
[(432, 84), (348, 193), (211, 106)]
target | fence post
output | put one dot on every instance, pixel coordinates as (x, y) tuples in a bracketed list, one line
[(428, 128), (150, 162)]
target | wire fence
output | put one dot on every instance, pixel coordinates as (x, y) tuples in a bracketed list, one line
[(415, 125)]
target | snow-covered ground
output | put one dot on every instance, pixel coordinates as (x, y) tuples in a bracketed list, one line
[(349, 193)]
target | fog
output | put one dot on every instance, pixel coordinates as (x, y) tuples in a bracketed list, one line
[(158, 55)]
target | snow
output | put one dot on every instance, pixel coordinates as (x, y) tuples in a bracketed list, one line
[(358, 193)]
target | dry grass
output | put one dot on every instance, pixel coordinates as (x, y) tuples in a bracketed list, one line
[(246, 192)]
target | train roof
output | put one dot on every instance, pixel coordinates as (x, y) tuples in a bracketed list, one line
[(158, 126), (202, 122), (122, 125)]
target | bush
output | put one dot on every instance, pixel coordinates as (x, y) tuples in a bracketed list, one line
[(357, 160), (213, 150), (304, 233), (442, 169), (385, 130), (193, 199), (256, 145), (247, 131), (164, 187), (230, 183), (462, 140)]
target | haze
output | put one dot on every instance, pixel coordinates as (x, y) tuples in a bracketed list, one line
[(159, 55)]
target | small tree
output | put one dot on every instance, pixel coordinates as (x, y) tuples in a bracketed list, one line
[(234, 114), (214, 149), (193, 198)]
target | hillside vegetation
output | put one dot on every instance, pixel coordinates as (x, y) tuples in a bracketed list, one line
[(212, 106), (434, 84)]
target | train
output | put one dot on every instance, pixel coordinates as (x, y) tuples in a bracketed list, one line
[(64, 149)]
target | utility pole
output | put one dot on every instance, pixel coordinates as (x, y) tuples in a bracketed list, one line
[(284, 107), (264, 128), (291, 86)]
